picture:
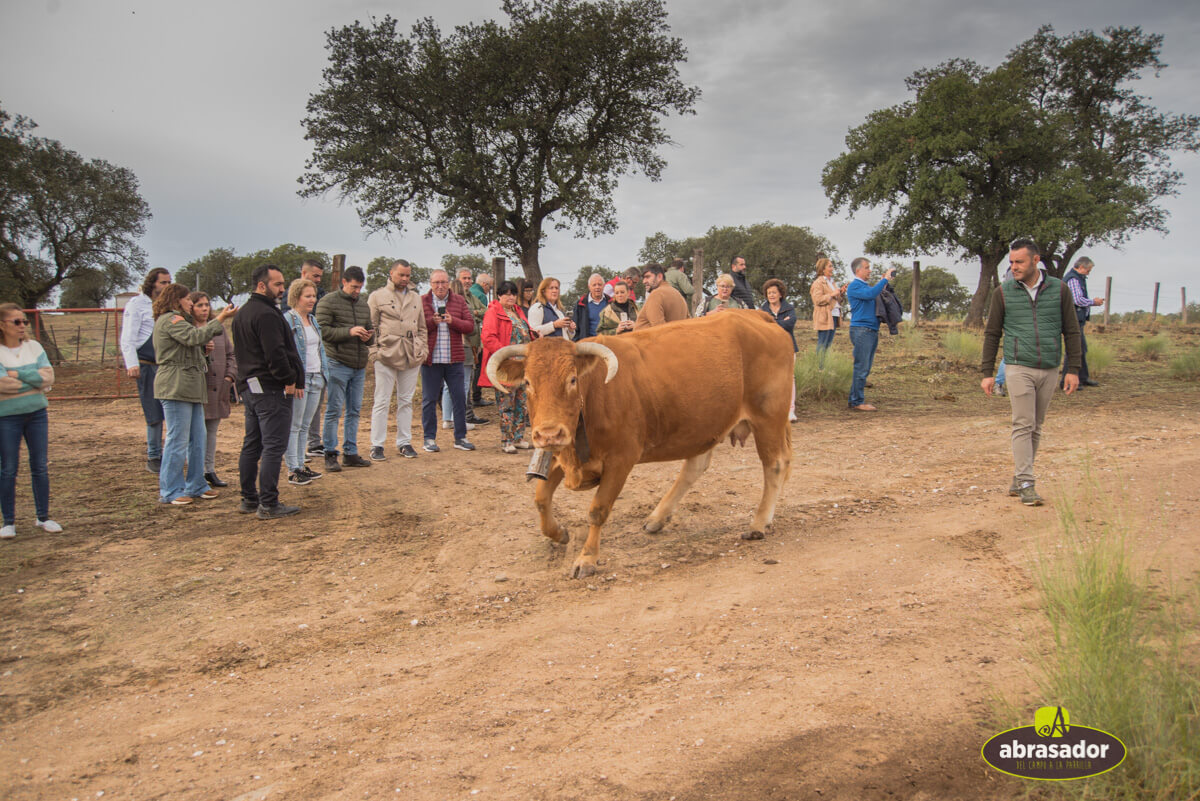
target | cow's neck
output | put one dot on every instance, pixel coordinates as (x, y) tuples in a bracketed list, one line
[(577, 472)]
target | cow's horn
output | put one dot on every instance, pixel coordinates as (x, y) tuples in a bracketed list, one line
[(507, 352), (596, 349)]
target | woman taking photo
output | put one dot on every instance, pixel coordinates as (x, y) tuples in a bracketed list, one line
[(784, 314), (620, 314), (222, 372), (27, 377), (181, 386), (505, 324), (546, 316), (302, 297), (826, 298), (724, 298)]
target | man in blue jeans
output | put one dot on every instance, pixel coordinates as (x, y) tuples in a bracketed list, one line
[(864, 327), (345, 320)]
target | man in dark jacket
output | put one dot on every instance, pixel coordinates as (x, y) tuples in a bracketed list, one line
[(589, 307), (270, 375), (447, 320), (741, 286), (1076, 281), (1035, 313), (345, 321)]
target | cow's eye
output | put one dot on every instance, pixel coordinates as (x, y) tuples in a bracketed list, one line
[(573, 381)]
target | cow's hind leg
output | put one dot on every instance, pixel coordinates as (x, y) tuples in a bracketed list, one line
[(611, 483), (774, 446), (692, 469), (543, 499)]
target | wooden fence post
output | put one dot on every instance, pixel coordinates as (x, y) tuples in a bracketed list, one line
[(1107, 298), (339, 264), (497, 272), (697, 280), (1183, 300), (1154, 308), (916, 293)]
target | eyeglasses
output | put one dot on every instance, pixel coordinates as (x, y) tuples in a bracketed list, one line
[(17, 322)]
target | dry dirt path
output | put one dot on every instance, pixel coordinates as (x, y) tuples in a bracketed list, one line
[(417, 638)]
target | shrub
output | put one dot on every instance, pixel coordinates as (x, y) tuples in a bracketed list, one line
[(911, 339), (1153, 348), (963, 346), (1119, 660), (1099, 358), (1187, 365), (822, 383)]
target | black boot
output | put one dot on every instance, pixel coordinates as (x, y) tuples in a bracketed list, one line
[(214, 481)]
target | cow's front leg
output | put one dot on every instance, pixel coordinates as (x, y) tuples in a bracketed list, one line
[(543, 499), (611, 483), (692, 470)]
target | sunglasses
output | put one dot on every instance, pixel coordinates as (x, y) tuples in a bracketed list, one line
[(17, 322)]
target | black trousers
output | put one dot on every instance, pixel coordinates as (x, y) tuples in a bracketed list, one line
[(268, 426), (1084, 375)]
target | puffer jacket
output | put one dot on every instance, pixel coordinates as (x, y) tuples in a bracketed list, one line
[(337, 313)]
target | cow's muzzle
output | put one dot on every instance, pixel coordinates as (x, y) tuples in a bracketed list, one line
[(551, 437)]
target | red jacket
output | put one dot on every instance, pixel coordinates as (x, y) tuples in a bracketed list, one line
[(461, 322), (497, 332)]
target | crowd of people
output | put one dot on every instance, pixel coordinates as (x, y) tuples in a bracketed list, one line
[(294, 347)]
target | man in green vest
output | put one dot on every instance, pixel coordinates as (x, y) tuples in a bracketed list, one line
[(1036, 313)]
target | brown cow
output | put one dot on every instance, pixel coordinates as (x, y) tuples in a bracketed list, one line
[(669, 392)]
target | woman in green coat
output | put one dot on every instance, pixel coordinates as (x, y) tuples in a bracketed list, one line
[(180, 385)]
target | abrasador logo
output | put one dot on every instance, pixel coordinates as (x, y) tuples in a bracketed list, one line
[(1053, 750)]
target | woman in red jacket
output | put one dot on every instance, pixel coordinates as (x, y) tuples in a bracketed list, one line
[(505, 324)]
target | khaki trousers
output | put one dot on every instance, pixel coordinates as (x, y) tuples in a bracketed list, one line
[(1029, 391)]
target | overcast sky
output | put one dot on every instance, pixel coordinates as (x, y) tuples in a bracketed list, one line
[(203, 101)]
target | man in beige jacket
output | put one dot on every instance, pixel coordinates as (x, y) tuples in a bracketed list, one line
[(401, 345)]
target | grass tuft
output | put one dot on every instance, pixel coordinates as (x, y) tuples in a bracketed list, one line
[(1120, 658), (1187, 365), (817, 383), (1099, 358), (964, 347), (1153, 348)]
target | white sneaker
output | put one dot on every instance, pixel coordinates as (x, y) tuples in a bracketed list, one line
[(448, 424), (8, 532), (49, 526)]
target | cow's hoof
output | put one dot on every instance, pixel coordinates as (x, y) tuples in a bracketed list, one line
[(752, 535), (654, 526), (564, 536), (583, 570)]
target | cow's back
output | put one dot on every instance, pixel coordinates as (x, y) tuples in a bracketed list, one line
[(682, 387)]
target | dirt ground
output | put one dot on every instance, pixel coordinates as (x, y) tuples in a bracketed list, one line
[(412, 635)]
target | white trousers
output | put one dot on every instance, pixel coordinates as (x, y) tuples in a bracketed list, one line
[(403, 383)]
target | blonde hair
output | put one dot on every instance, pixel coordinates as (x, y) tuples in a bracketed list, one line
[(725, 279), (297, 289), (541, 292), (822, 263)]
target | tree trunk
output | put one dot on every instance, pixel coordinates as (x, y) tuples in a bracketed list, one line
[(987, 279), (529, 257)]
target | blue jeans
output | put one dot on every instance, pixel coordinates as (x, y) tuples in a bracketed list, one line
[(864, 341), (448, 402), (824, 343), (345, 389), (152, 410), (187, 437), (302, 415), (34, 428), (1000, 374), (433, 378)]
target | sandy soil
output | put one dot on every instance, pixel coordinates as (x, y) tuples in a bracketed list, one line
[(412, 635)]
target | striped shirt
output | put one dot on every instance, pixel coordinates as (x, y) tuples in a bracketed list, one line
[(25, 392)]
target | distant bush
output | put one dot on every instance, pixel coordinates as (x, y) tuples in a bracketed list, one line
[(963, 346), (911, 339), (1153, 348), (831, 381), (1099, 358), (1187, 366)]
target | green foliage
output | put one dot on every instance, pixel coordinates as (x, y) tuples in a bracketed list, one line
[(1187, 365), (941, 293), (89, 288), (494, 132), (63, 217), (823, 381), (287, 257), (1051, 144), (475, 262), (380, 267), (1152, 348), (786, 252), (571, 295), (964, 347), (1120, 655), (1099, 358), (216, 273)]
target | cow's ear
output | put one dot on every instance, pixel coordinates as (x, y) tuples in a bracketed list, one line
[(511, 371)]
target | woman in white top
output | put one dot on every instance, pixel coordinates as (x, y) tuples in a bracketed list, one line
[(302, 297), (25, 378), (547, 317)]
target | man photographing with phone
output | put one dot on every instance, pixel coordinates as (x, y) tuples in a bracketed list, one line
[(345, 321), (447, 319), (864, 327)]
